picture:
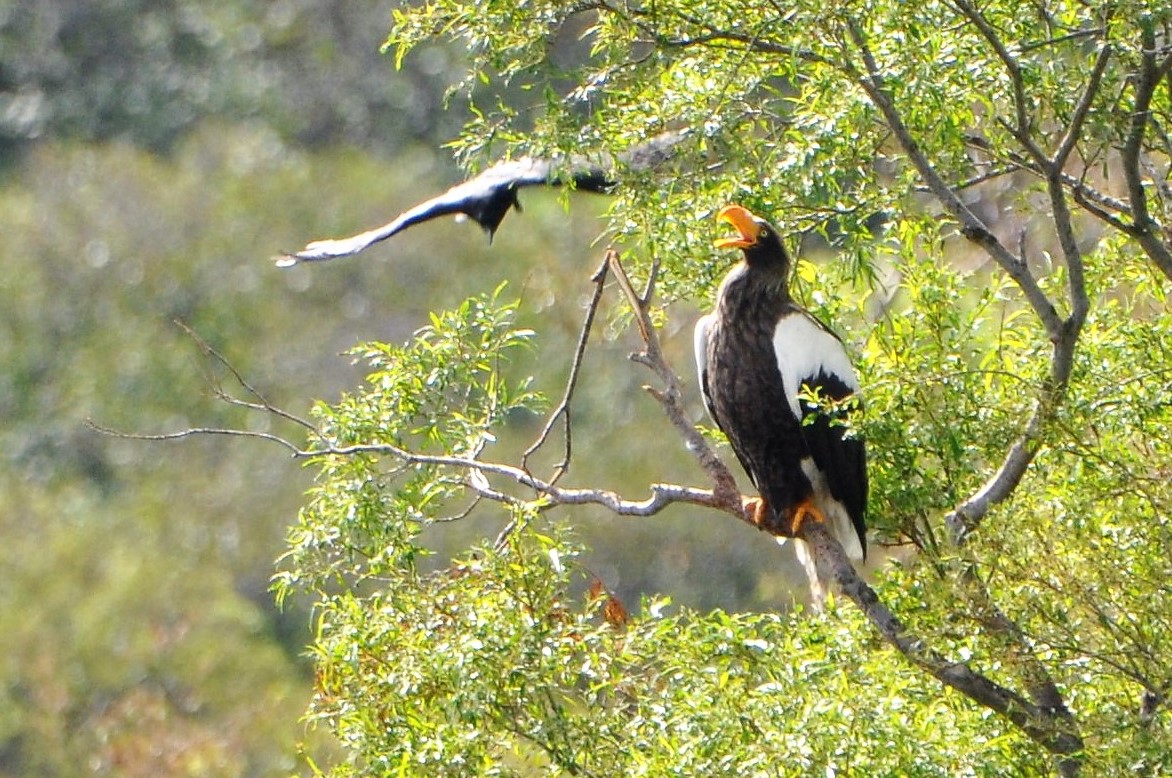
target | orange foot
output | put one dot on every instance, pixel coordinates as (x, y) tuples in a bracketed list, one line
[(756, 507), (803, 511)]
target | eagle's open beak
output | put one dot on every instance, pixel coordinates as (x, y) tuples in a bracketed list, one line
[(745, 224)]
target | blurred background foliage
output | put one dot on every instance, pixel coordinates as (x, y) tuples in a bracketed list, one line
[(155, 155), (149, 71)]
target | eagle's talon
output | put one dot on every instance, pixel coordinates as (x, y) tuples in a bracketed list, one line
[(806, 510), (756, 508)]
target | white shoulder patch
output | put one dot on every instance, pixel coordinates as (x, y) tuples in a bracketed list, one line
[(700, 344), (804, 349)]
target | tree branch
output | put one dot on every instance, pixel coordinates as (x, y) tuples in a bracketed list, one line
[(1144, 228), (971, 226), (1021, 126), (261, 403), (192, 432), (1034, 675), (1046, 726), (661, 496), (1021, 453), (967, 516), (563, 408), (725, 492)]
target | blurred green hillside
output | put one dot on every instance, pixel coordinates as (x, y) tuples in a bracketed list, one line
[(149, 178)]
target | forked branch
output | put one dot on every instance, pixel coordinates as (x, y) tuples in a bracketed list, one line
[(1145, 229)]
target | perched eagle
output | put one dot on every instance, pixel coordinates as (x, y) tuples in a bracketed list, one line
[(760, 357)]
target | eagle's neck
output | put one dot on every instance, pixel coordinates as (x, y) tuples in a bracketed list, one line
[(755, 287)]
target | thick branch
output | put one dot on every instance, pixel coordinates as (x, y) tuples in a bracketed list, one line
[(971, 226), (1047, 726), (1144, 228)]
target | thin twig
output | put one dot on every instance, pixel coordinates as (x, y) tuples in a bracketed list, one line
[(563, 408), (1082, 109), (262, 402), (1021, 126), (192, 432)]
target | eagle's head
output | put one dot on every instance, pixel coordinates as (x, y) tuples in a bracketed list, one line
[(756, 237)]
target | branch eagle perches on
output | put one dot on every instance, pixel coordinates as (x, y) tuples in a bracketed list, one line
[(1048, 725)]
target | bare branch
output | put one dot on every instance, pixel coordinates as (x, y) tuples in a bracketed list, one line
[(262, 402), (715, 37), (977, 180), (971, 226), (192, 432), (662, 495), (1092, 202), (1090, 32), (725, 491), (1144, 228), (563, 408)]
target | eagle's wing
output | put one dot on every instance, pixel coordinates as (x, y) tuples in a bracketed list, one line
[(811, 355), (700, 337), (486, 198), (700, 345)]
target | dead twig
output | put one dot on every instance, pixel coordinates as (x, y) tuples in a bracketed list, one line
[(563, 410)]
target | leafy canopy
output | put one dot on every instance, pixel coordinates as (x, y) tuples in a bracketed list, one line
[(990, 182)]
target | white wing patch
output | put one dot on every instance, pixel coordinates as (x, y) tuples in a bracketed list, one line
[(804, 349), (700, 344)]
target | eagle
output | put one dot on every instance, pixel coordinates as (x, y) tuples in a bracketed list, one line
[(763, 362)]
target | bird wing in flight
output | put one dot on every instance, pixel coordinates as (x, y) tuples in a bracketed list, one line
[(486, 198)]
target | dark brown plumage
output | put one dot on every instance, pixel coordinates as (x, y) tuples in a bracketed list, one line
[(756, 354)]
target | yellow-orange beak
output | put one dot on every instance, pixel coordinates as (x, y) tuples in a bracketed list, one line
[(745, 224)]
